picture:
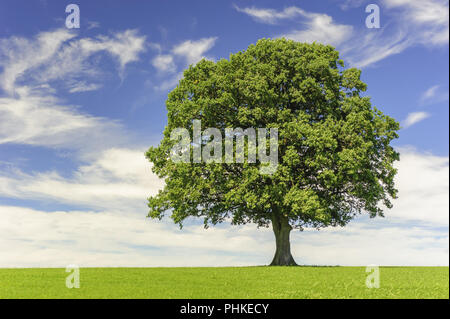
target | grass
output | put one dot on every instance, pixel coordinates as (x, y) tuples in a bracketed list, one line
[(226, 282)]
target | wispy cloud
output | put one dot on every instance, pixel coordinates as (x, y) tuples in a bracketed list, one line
[(428, 19), (405, 24), (39, 120), (93, 25), (317, 27), (164, 63), (84, 87), (413, 118), (369, 48), (430, 93), (193, 51), (434, 94), (271, 16), (189, 52), (321, 28), (59, 54), (18, 55), (32, 113), (125, 46)]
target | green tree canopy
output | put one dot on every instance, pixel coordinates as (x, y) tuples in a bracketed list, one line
[(334, 152)]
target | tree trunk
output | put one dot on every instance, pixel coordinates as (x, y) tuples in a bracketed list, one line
[(282, 229)]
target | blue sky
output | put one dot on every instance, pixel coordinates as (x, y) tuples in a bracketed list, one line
[(78, 108)]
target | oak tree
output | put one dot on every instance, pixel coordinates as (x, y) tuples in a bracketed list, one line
[(335, 160)]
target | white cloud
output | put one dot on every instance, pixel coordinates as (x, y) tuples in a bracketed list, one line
[(272, 16), (321, 28), (31, 113), (116, 178), (368, 48), (19, 54), (414, 232), (39, 239), (32, 238), (413, 118), (361, 244), (190, 51), (164, 63), (59, 54), (193, 51), (430, 93), (434, 94), (318, 27), (84, 87), (423, 185), (125, 46), (429, 17), (45, 121)]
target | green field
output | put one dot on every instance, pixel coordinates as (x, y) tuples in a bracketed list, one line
[(226, 282)]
